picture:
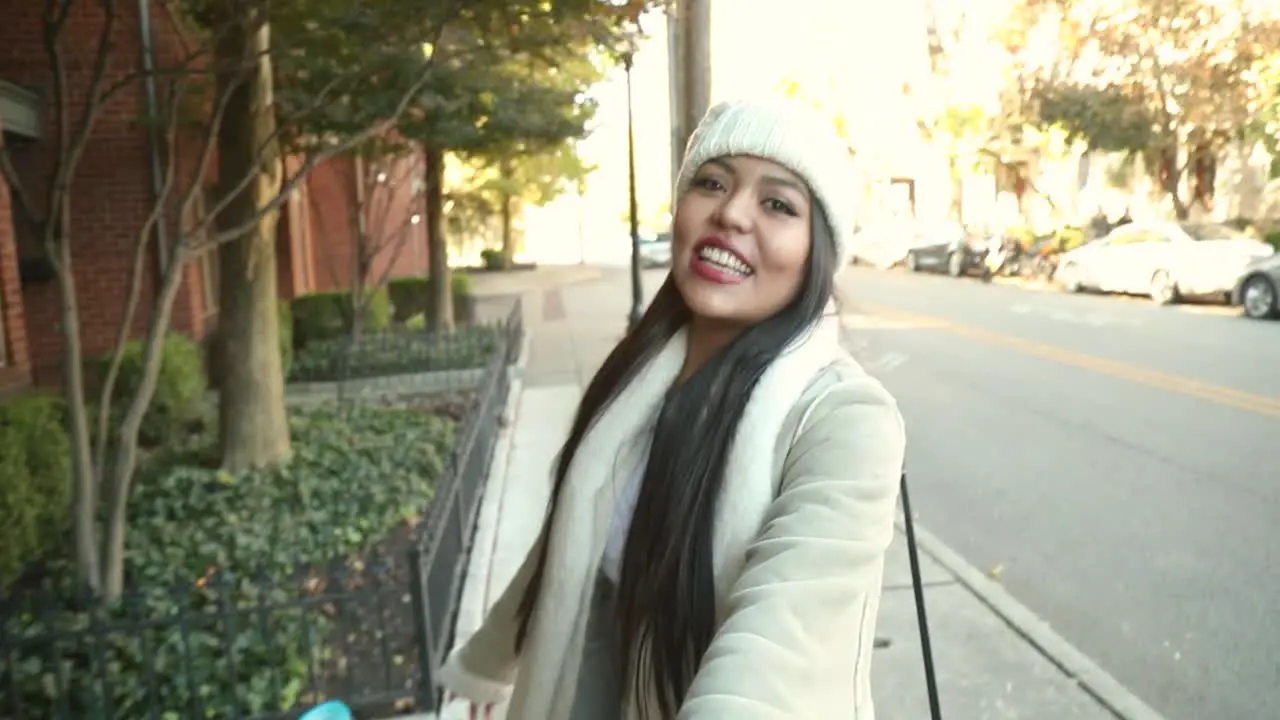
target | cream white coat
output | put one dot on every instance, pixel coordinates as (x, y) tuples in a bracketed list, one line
[(801, 531)]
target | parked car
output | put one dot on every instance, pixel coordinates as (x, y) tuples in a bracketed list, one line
[(655, 250), (1258, 289), (947, 247), (1163, 260)]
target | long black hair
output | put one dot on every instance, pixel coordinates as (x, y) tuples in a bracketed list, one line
[(666, 609)]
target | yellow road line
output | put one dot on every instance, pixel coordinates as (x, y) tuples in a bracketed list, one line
[(1229, 397)]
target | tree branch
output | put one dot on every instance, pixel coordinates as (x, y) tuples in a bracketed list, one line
[(141, 244), (292, 182)]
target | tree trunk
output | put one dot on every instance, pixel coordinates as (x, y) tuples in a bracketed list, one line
[(508, 241), (440, 304), (253, 426), (83, 472), (118, 482)]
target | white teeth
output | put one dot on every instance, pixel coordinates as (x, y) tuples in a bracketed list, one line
[(723, 259)]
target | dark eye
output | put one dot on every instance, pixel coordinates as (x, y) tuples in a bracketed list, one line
[(708, 183), (779, 206)]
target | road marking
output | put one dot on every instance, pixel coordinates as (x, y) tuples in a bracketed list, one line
[(1066, 316), (860, 321), (1221, 395)]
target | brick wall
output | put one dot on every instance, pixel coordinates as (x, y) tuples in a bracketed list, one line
[(329, 200), (400, 242), (112, 191), (15, 366)]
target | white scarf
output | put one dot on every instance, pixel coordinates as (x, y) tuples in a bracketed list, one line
[(599, 469)]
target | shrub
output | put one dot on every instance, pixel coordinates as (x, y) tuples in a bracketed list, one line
[(219, 549), (328, 315), (411, 296), (285, 315), (1273, 238), (319, 316), (493, 259), (377, 309), (396, 353), (180, 388), (35, 490)]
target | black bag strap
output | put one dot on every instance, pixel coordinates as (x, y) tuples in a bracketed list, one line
[(917, 586)]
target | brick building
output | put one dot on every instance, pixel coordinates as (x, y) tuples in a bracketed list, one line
[(114, 190)]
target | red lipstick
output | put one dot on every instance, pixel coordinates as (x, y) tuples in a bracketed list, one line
[(715, 260)]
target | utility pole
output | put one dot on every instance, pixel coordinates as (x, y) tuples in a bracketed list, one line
[(689, 72)]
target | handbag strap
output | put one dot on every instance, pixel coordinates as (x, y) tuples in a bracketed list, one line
[(917, 586)]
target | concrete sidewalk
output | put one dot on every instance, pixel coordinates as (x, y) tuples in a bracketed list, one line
[(994, 659)]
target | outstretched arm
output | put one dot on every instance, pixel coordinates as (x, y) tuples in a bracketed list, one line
[(798, 636)]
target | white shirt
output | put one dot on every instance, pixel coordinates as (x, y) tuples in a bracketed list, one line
[(623, 511)]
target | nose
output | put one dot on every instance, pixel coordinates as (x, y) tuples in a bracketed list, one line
[(734, 213)]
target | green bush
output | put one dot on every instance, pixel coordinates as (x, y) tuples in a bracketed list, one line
[(494, 259), (231, 542), (377, 309), (1273, 238), (395, 353), (180, 389), (285, 315), (35, 482), (328, 315), (412, 295), (319, 316)]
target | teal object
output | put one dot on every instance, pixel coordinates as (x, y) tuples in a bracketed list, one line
[(332, 710)]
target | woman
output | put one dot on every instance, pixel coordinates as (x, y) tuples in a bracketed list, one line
[(720, 511)]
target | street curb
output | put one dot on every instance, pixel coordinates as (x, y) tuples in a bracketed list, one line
[(1076, 665)]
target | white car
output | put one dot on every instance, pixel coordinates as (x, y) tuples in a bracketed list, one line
[(1163, 260)]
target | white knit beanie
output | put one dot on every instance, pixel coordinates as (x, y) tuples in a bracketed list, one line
[(790, 134)]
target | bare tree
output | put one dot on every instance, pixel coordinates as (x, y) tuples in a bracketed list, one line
[(235, 125), (385, 212)]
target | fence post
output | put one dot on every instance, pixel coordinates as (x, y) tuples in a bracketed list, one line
[(428, 694)]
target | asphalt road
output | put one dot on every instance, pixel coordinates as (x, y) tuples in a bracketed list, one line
[(1115, 464)]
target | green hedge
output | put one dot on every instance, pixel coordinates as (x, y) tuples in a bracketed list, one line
[(395, 353), (180, 389), (327, 315), (411, 296), (494, 259), (1273, 238), (356, 475), (35, 477)]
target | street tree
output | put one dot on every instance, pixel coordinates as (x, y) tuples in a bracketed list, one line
[(500, 188), (1170, 81), (385, 211), (958, 126), (215, 109), (528, 138), (506, 92)]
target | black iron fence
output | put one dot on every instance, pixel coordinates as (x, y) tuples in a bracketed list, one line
[(370, 628)]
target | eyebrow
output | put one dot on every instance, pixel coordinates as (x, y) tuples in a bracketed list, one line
[(770, 179)]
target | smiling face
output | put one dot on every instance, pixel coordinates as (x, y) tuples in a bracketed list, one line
[(742, 236)]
